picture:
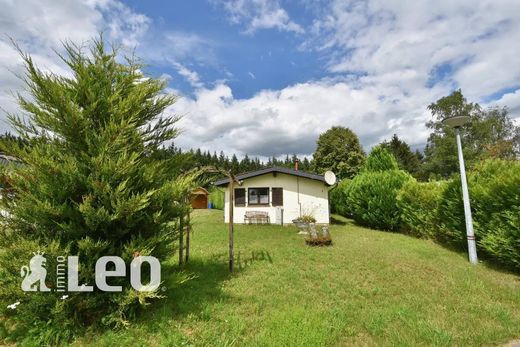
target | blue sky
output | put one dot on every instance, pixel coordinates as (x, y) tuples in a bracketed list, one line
[(266, 77), (249, 62)]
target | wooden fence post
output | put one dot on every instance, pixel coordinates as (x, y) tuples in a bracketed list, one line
[(188, 230), (181, 238), (231, 222)]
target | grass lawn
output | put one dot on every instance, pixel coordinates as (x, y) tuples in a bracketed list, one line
[(369, 288)]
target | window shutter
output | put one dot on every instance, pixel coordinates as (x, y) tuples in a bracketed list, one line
[(240, 197), (277, 196)]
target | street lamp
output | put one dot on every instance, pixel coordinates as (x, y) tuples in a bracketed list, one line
[(456, 122)]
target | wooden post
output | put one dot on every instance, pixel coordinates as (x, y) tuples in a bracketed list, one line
[(188, 229), (181, 238), (231, 231)]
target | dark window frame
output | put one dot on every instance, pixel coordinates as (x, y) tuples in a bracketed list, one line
[(258, 203)]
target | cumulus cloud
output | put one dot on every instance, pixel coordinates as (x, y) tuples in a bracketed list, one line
[(512, 102), (40, 26), (290, 120), (473, 40), (260, 14), (386, 59)]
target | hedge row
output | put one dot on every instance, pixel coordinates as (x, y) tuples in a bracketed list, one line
[(216, 197), (392, 200)]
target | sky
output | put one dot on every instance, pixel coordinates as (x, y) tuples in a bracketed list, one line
[(266, 77)]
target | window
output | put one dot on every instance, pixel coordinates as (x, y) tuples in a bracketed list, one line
[(277, 196), (240, 197), (258, 196)]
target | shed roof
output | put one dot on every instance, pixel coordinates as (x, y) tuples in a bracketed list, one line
[(199, 191), (277, 169)]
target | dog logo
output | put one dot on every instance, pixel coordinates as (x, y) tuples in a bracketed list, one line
[(34, 275)]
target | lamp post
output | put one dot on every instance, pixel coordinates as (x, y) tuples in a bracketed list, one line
[(456, 122)]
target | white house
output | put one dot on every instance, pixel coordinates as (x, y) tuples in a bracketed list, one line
[(282, 194)]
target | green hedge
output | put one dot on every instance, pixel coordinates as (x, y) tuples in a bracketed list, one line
[(390, 200), (373, 198), (380, 159), (419, 203), (495, 202), (338, 198), (216, 197)]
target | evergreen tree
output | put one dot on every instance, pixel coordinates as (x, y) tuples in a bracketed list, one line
[(406, 159), (245, 164), (306, 165), (221, 159), (234, 165), (90, 186)]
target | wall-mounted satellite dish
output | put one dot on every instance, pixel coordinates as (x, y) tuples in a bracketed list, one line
[(330, 178)]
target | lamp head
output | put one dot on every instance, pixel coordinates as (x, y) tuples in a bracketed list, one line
[(456, 121)]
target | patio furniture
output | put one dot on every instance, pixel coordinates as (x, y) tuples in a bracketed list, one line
[(256, 217)]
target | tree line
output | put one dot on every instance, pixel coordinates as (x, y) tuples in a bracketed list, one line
[(490, 134)]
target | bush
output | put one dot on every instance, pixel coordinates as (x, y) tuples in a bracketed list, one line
[(216, 197), (495, 202), (380, 159), (418, 203), (305, 218), (338, 198), (372, 198)]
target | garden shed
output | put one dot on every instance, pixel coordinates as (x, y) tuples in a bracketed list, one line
[(199, 198)]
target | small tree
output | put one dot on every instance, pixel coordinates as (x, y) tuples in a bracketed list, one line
[(90, 185), (406, 159), (380, 159), (338, 149)]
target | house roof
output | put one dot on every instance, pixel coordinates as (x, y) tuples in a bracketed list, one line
[(277, 169)]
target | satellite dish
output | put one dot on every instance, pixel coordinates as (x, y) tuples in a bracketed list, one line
[(330, 178)]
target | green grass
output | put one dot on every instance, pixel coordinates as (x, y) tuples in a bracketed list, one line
[(369, 288)]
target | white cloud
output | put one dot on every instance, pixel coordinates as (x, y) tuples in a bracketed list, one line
[(124, 25), (191, 76), (512, 101), (260, 14), (40, 26), (382, 38), (290, 120), (388, 60)]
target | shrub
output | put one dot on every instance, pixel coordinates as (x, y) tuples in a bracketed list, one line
[(372, 198), (418, 203), (305, 218), (89, 186), (380, 159), (338, 198), (216, 197), (495, 201)]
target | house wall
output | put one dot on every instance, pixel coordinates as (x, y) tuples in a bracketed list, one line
[(300, 196)]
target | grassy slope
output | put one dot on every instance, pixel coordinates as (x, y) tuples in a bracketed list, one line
[(370, 288)]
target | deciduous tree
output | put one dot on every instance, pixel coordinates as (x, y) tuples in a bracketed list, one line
[(339, 150)]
